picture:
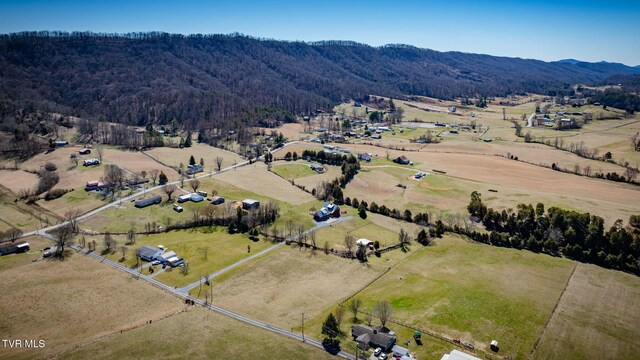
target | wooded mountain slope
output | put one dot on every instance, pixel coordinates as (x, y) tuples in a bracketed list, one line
[(138, 78)]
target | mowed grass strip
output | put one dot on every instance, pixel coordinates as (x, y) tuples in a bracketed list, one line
[(72, 302), (198, 334), (292, 171), (597, 318), (474, 292)]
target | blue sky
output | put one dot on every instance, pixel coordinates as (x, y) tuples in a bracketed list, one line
[(548, 30)]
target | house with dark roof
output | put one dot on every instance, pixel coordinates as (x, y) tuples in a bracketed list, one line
[(148, 201), (14, 247), (329, 210), (250, 204), (402, 160), (372, 336), (148, 253)]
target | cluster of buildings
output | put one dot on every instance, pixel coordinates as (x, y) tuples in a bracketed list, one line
[(328, 211), (159, 254)]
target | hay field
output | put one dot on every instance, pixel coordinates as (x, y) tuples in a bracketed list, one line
[(520, 182), (77, 199), (73, 302), (174, 156), (597, 318), (278, 288), (257, 179), (198, 334), (18, 180), (136, 162), (474, 292)]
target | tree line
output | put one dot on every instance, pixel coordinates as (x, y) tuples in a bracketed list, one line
[(558, 232)]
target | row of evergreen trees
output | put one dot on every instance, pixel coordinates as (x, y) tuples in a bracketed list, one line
[(579, 236)]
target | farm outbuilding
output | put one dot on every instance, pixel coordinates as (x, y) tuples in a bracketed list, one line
[(60, 143), (217, 200), (91, 162), (149, 201), (458, 355), (250, 204), (402, 160), (184, 198), (365, 243), (84, 151), (14, 248)]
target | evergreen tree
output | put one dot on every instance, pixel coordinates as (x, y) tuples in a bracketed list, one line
[(162, 178), (192, 160)]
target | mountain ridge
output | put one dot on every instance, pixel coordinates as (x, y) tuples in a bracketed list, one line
[(154, 77)]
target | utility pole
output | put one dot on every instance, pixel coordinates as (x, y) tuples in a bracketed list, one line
[(302, 327)]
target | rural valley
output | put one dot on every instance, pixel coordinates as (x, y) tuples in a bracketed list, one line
[(225, 196)]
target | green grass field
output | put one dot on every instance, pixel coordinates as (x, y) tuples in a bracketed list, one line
[(224, 249), (293, 171), (474, 292)]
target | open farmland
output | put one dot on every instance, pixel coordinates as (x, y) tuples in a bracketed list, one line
[(16, 180), (516, 182), (206, 250), (134, 161), (194, 334), (81, 299), (257, 179), (278, 288), (174, 156), (474, 292), (597, 318)]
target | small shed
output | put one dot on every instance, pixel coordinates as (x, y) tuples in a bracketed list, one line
[(149, 201), (365, 243), (399, 351), (84, 151), (250, 204), (60, 143), (217, 200)]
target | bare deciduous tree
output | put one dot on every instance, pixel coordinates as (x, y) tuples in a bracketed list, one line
[(99, 152), (64, 235), (195, 184), (169, 190), (71, 216), (154, 175), (354, 306), (349, 243), (383, 311), (219, 161), (339, 315)]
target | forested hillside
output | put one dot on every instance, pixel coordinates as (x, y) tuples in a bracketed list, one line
[(155, 77)]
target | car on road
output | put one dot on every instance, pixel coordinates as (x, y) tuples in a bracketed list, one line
[(177, 208), (377, 352), (383, 356), (156, 262)]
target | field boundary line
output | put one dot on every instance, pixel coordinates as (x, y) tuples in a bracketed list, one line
[(121, 331), (554, 312)]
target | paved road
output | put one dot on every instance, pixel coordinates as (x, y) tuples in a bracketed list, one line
[(182, 295), (187, 288), (135, 195), (136, 272), (530, 120)]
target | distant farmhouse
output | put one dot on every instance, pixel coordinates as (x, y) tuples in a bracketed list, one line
[(402, 160), (149, 201), (250, 204), (367, 336), (329, 210), (91, 162)]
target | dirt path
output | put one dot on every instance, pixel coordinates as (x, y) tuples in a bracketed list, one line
[(553, 313)]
